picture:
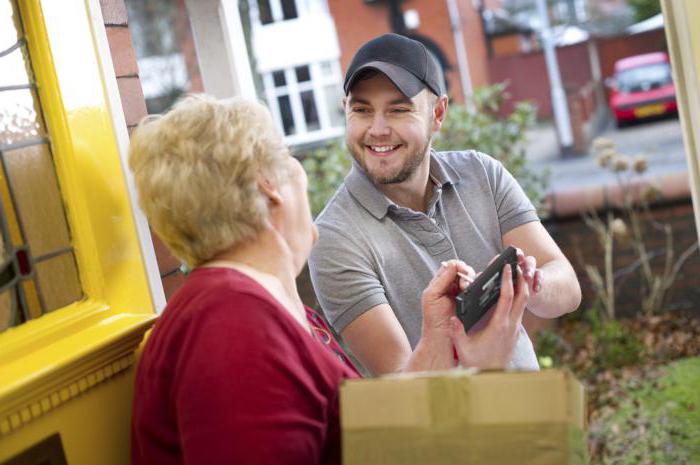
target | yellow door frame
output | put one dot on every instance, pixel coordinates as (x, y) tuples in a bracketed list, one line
[(46, 362), (682, 24)]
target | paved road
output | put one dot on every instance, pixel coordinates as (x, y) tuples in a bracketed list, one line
[(661, 141)]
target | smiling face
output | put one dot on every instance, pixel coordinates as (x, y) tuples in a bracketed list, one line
[(388, 133)]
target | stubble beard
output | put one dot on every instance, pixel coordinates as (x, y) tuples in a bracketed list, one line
[(408, 169)]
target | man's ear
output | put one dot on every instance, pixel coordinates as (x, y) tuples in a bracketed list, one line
[(439, 112), (269, 190)]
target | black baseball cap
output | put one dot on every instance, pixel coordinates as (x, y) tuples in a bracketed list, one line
[(406, 62)]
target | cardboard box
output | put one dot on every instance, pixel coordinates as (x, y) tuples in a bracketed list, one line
[(458, 417)]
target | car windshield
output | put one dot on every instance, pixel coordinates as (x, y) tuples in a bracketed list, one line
[(644, 77)]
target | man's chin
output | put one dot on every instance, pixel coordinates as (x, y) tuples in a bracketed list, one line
[(392, 178)]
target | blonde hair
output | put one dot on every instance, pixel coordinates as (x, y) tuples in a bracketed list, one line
[(196, 170)]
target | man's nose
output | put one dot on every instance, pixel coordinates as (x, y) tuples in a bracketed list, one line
[(379, 126)]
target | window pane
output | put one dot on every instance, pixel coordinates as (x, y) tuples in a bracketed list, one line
[(326, 69), (264, 11), (310, 112), (334, 97), (289, 9), (19, 118), (8, 307), (58, 280), (38, 199), (8, 313), (14, 71), (9, 30), (302, 73), (286, 114), (279, 79), (165, 52), (33, 221)]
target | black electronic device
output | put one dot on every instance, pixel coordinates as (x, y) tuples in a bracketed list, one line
[(483, 293)]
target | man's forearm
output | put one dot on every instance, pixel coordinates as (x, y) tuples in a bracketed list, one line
[(560, 291)]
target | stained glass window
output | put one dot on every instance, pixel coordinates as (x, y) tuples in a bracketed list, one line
[(38, 272)]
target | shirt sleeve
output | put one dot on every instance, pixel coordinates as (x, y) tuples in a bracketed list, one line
[(245, 392), (513, 206), (343, 277)]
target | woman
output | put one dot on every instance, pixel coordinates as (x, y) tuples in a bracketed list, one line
[(237, 370)]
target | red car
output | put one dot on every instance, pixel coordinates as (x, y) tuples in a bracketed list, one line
[(642, 87)]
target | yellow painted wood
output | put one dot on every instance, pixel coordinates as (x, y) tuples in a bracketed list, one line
[(65, 371), (72, 93), (94, 426), (682, 20)]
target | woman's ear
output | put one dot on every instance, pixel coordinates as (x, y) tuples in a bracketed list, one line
[(269, 190)]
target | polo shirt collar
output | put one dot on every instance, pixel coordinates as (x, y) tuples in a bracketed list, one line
[(375, 202), (441, 171), (366, 193)]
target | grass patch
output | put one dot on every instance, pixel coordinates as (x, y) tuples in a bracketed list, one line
[(656, 422)]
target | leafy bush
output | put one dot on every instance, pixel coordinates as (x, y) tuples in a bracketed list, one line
[(476, 126), (597, 344), (615, 347), (480, 126), (643, 9), (656, 422), (326, 168)]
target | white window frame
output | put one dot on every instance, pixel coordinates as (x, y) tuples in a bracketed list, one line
[(302, 8), (293, 89)]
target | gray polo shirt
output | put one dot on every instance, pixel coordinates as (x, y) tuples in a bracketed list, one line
[(372, 251)]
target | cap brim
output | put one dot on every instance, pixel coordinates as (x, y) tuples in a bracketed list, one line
[(407, 83)]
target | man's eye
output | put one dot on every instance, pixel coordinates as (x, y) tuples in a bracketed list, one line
[(360, 110), (400, 110)]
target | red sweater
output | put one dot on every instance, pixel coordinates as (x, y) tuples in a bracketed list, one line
[(229, 377)]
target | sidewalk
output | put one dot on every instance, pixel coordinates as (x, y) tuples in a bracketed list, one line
[(661, 141)]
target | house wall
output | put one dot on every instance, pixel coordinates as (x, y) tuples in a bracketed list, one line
[(527, 73), (578, 242), (357, 22), (574, 65), (614, 48), (134, 107)]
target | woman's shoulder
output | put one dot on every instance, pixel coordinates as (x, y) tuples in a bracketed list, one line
[(223, 299)]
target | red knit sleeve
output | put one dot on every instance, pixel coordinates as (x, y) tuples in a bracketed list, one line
[(246, 390)]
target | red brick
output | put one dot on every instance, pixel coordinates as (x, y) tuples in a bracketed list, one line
[(166, 260), (576, 201), (579, 244), (114, 12), (133, 102), (122, 49), (357, 22), (172, 283)]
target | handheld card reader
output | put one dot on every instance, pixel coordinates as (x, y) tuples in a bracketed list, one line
[(483, 293)]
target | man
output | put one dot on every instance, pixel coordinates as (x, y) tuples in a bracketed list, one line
[(404, 209)]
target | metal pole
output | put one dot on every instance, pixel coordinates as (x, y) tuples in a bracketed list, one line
[(462, 59), (561, 109)]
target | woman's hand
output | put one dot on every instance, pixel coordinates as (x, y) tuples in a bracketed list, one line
[(438, 301), (490, 343), (434, 351)]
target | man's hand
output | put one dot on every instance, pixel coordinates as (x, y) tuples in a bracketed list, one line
[(532, 274), (490, 344)]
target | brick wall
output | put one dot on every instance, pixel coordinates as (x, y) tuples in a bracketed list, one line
[(614, 48), (579, 243), (357, 22), (574, 65), (134, 106), (527, 74)]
